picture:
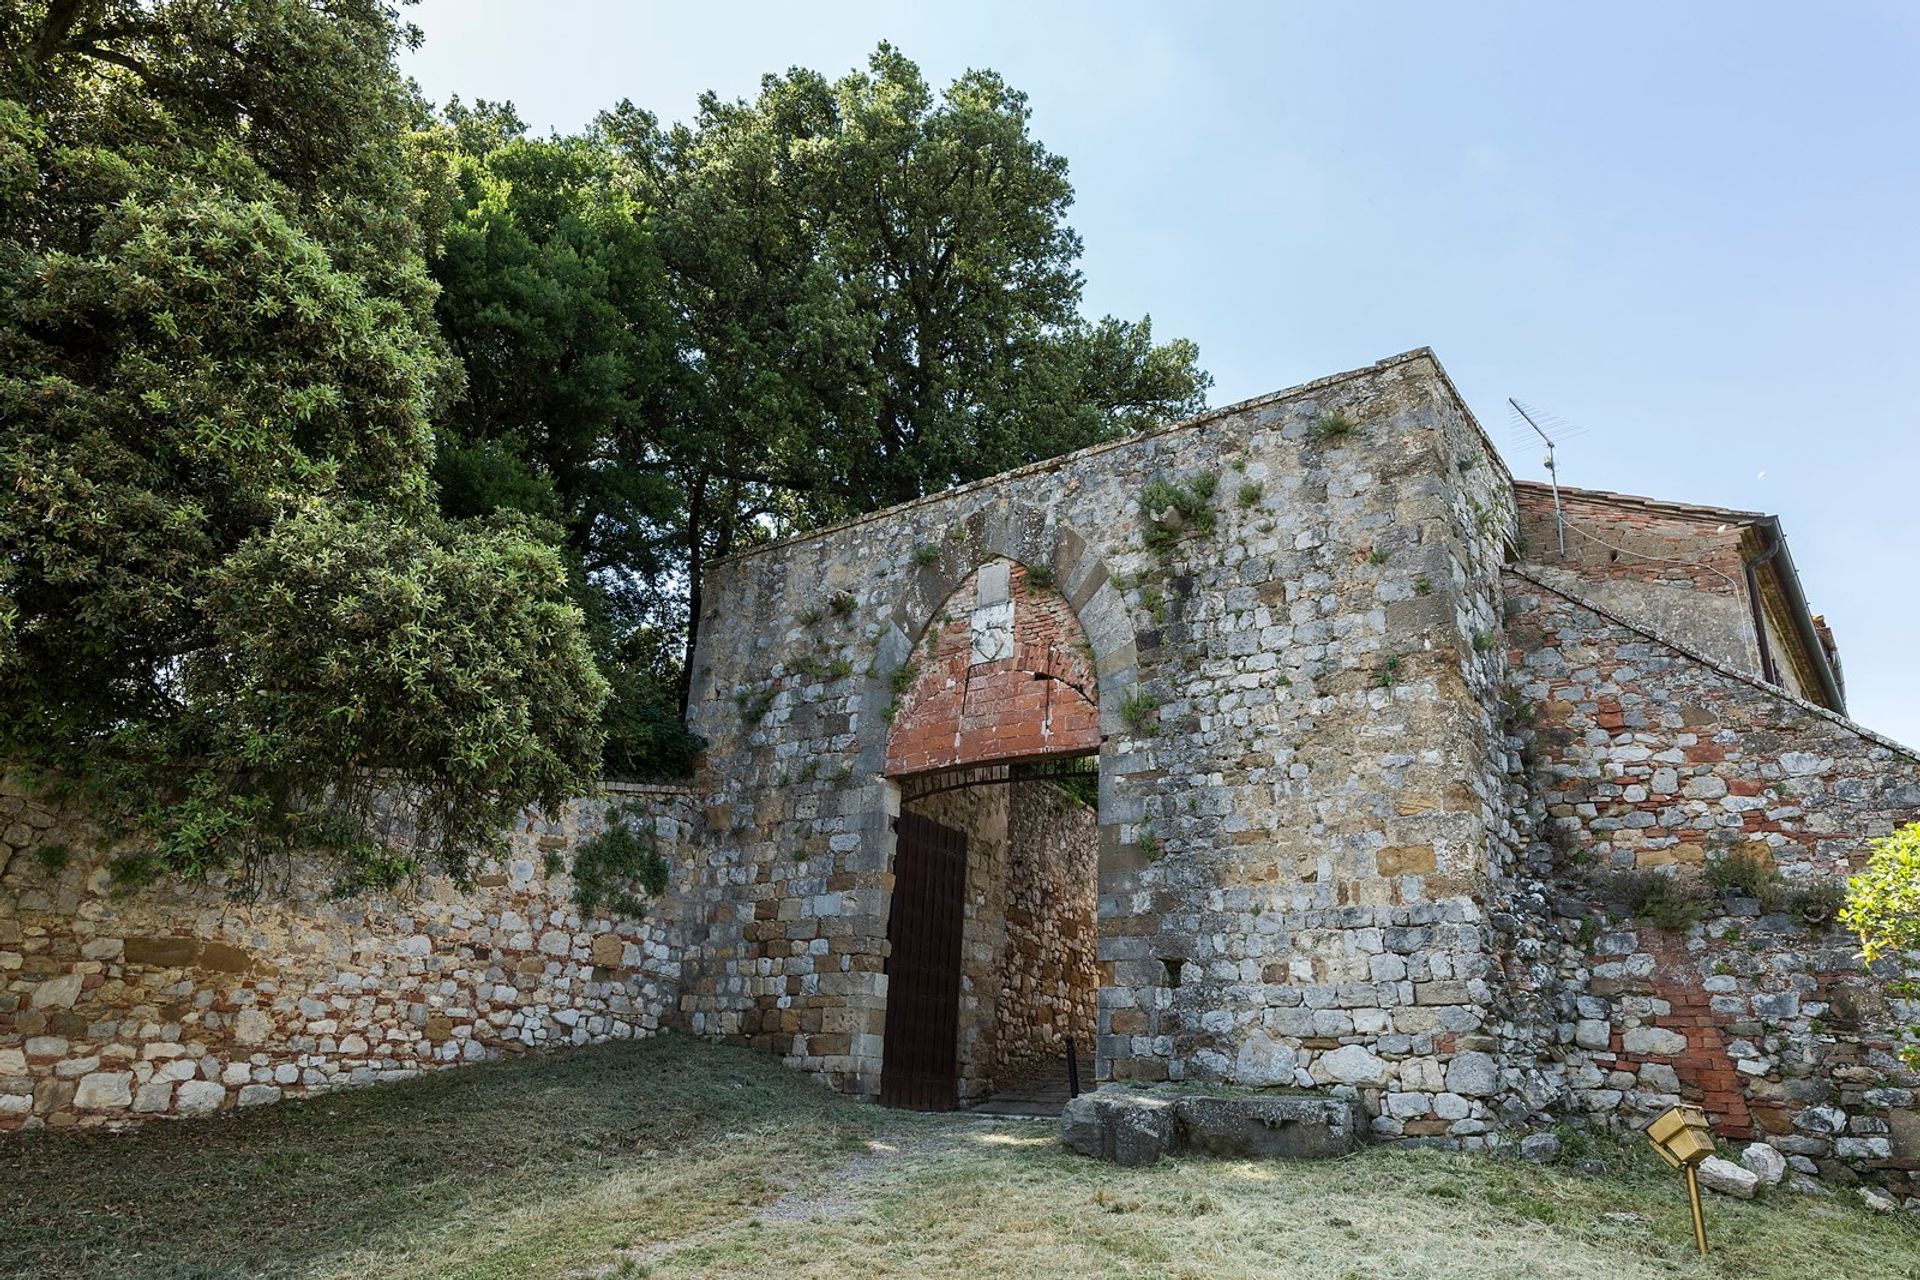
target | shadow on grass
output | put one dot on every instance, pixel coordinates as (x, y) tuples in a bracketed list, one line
[(277, 1190)]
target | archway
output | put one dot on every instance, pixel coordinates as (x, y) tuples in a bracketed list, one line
[(993, 925)]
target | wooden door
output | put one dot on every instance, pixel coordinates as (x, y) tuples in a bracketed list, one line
[(918, 1069)]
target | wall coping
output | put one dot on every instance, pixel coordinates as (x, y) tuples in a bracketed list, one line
[(1734, 673), (1185, 424)]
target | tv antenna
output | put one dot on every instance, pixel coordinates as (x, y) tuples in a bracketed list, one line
[(1530, 416)]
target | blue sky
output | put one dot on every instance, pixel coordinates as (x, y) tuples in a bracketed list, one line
[(1688, 229)]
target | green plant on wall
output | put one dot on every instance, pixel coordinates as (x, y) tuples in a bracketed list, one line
[(1154, 602), (754, 704), (1139, 710), (1040, 575), (899, 682), (1175, 508), (1334, 426), (617, 870), (1883, 909), (1660, 900)]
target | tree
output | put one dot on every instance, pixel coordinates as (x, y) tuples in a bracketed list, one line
[(1883, 908), (880, 300), (220, 365)]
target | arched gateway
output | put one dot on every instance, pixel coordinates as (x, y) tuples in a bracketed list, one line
[(991, 968), (1288, 679)]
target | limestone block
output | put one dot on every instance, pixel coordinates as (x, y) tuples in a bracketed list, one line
[(1355, 1064), (198, 1097), (1124, 1126), (1541, 1148), (104, 1091), (1473, 1075), (1767, 1164), (252, 1026), (57, 993), (1728, 1178), (1286, 1126), (254, 1095), (1653, 1042)]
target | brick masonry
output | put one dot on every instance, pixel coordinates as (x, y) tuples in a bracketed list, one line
[(1004, 673), (1641, 758)]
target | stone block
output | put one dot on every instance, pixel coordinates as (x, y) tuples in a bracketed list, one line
[(1728, 1178), (1286, 1126), (1125, 1126), (1354, 1064), (1766, 1163), (1653, 1042), (1473, 1075), (104, 1091)]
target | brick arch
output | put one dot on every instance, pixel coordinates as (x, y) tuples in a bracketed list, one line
[(1027, 536), (1003, 672)]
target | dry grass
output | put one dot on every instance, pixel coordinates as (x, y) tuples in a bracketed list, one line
[(670, 1159)]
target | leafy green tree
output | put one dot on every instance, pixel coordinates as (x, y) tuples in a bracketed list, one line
[(880, 299), (1883, 900), (218, 363), (1883, 908), (554, 298)]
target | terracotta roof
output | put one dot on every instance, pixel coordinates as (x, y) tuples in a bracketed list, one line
[(1726, 514)]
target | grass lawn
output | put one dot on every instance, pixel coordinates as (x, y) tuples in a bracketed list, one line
[(671, 1158)]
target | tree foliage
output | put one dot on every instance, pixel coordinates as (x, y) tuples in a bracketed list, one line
[(354, 455), (836, 296), (1883, 900), (220, 365), (554, 298), (1883, 908)]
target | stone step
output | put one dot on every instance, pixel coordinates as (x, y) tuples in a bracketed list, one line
[(1138, 1126)]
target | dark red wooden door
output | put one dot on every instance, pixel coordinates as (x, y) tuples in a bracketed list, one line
[(923, 967)]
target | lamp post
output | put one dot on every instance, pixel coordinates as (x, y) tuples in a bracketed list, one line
[(1683, 1138)]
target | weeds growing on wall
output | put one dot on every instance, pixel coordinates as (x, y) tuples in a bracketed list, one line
[(754, 704), (1138, 710), (619, 869), (1040, 575), (1816, 903), (1334, 426), (1175, 508), (1660, 900)]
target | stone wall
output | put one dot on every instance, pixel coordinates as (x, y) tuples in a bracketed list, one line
[(1641, 758), (1049, 968), (179, 1001)]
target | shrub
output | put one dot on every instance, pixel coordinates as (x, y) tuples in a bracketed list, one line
[(1334, 426), (1750, 876), (1176, 507), (1819, 903), (1660, 900), (925, 554)]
